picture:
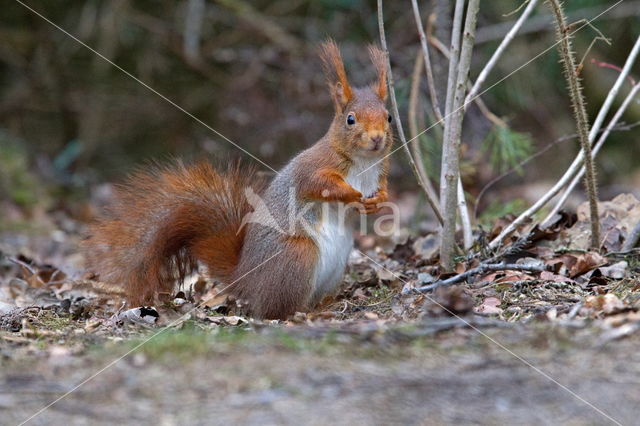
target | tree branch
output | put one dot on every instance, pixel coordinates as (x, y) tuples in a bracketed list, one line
[(543, 22), (480, 270), (500, 50), (477, 100), (577, 162), (396, 115), (521, 164), (596, 148), (427, 63), (462, 203)]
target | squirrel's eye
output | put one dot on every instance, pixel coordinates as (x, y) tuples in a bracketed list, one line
[(351, 119), (389, 119)]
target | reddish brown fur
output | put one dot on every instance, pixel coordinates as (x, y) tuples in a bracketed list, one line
[(339, 86), (280, 288), (164, 220), (380, 63)]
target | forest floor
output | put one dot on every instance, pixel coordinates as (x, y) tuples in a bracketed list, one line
[(558, 345)]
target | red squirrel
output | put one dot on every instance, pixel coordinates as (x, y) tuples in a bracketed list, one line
[(164, 221)]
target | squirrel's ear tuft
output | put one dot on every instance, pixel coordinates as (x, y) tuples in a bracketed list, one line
[(336, 75), (380, 63)]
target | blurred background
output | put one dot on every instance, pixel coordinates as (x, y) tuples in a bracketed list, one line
[(70, 121)]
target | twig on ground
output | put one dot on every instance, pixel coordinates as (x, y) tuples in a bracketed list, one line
[(480, 270), (24, 265), (396, 115), (573, 168)]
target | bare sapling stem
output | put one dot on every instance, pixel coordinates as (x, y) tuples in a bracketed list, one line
[(465, 219), (582, 122), (414, 98), (447, 234), (396, 116), (433, 94), (454, 115)]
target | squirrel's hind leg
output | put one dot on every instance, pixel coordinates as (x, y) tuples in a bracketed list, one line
[(277, 284)]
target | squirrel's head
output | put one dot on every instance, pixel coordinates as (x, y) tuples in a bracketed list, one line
[(362, 124)]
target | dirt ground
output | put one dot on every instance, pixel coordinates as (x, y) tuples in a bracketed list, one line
[(551, 341), (541, 373)]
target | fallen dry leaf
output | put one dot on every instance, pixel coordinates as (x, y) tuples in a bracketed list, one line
[(550, 276), (490, 305), (586, 262), (215, 300), (386, 275), (453, 299), (427, 247), (617, 219), (562, 264), (606, 303), (616, 271), (511, 276)]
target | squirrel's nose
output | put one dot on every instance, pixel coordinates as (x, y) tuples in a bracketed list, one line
[(377, 140)]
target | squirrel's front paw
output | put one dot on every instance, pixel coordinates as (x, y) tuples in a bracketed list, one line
[(372, 204)]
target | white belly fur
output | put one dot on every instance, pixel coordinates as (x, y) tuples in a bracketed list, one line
[(334, 240)]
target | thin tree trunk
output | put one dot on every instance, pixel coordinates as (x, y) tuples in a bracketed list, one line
[(465, 220), (454, 117), (448, 178)]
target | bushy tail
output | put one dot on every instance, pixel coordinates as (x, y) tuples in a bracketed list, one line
[(163, 221)]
